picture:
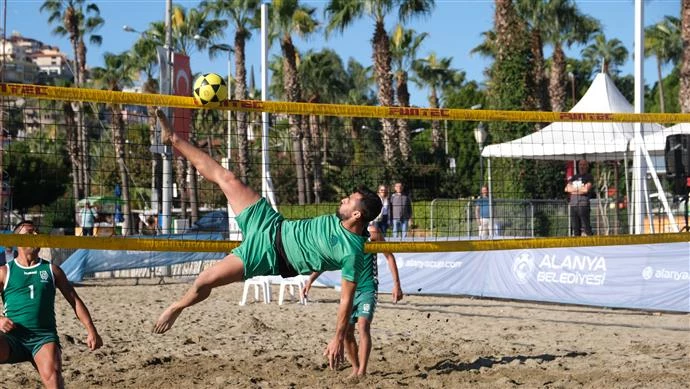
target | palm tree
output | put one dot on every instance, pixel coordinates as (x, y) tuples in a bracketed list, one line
[(567, 25), (684, 90), (342, 13), (359, 83), (186, 25), (243, 16), (510, 87), (436, 74), (663, 41), (324, 80), (404, 46), (77, 19), (290, 17), (609, 53), (144, 60), (535, 13), (118, 72)]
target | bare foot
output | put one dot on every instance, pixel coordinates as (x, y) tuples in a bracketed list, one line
[(167, 131), (166, 320)]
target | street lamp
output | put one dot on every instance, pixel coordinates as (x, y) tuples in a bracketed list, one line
[(480, 136)]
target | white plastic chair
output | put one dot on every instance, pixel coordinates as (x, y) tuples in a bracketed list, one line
[(258, 283), (292, 283)]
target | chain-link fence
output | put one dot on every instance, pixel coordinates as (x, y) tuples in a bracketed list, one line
[(521, 218)]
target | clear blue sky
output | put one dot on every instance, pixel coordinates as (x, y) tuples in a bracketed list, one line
[(454, 27)]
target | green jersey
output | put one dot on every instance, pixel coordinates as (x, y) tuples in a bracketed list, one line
[(322, 244), (29, 296), (369, 278)]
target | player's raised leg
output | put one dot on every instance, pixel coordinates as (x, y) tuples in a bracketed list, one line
[(48, 362), (227, 271), (239, 195)]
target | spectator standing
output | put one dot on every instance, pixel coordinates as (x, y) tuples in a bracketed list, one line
[(87, 219), (401, 211), (482, 213), (580, 188), (383, 219)]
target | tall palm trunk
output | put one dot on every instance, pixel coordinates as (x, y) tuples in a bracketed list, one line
[(356, 138), (308, 162), (403, 126), (119, 142), (182, 189), (384, 80), (435, 124), (241, 94), (540, 91), (557, 81), (684, 90), (316, 143), (293, 94), (156, 160), (72, 150)]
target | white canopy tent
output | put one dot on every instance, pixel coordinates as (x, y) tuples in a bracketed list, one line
[(593, 141), (565, 141)]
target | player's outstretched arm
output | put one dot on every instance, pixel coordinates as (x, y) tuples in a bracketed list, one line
[(375, 235), (308, 284), (93, 339), (335, 349)]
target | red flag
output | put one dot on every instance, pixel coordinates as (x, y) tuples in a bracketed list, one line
[(182, 86), (569, 170)]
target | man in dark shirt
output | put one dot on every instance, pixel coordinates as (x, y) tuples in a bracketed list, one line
[(580, 187)]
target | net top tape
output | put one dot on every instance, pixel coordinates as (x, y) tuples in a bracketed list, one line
[(145, 99)]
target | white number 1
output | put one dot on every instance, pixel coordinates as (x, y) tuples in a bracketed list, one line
[(31, 291)]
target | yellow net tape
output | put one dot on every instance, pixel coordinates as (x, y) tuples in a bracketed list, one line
[(143, 99), (141, 244), (100, 96)]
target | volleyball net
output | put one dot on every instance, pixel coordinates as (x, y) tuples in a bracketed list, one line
[(64, 148)]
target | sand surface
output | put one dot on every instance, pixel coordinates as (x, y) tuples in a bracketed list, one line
[(433, 342)]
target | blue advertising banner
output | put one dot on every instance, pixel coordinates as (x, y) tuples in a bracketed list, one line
[(655, 277)]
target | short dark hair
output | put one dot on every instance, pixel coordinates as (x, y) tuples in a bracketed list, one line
[(371, 203), (21, 224)]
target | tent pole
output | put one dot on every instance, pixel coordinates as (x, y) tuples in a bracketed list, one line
[(491, 201), (628, 205), (638, 163), (660, 192)]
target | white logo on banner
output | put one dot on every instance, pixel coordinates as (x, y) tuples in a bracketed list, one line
[(647, 273), (523, 267), (567, 270), (426, 264), (664, 274), (572, 270)]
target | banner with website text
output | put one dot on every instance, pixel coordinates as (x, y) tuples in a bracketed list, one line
[(651, 277)]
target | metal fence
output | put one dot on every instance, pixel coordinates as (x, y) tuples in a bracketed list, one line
[(521, 218)]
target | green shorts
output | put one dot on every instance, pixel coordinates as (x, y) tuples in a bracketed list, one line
[(363, 305), (258, 224), (25, 344)]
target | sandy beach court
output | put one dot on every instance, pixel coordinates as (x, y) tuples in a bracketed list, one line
[(422, 342)]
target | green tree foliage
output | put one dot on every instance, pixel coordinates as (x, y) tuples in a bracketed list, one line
[(511, 88), (38, 171)]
